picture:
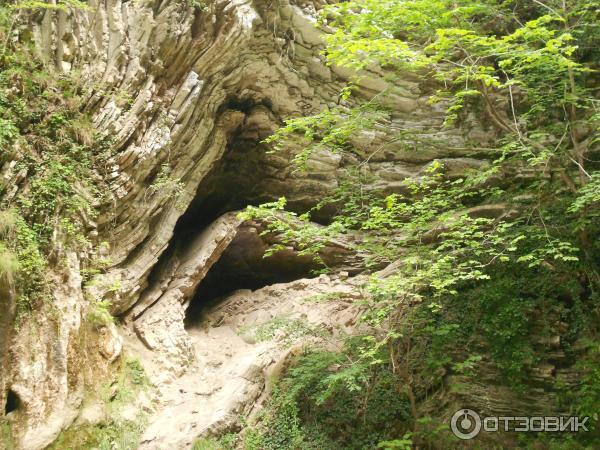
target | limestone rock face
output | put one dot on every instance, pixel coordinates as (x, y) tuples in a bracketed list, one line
[(199, 85), (43, 363), (195, 90)]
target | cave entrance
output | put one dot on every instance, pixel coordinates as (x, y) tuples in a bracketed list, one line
[(13, 402), (243, 266), (240, 178), (236, 179)]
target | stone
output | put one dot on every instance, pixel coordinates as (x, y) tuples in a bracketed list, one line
[(110, 343), (197, 92), (232, 381)]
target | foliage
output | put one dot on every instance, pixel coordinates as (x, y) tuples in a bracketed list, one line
[(198, 5), (55, 151), (588, 196), (329, 130), (225, 442), (99, 313), (505, 315), (290, 229), (283, 329), (470, 289), (589, 394), (397, 444), (314, 406), (584, 401)]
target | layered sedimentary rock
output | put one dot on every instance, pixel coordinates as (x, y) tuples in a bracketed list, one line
[(200, 83), (195, 90)]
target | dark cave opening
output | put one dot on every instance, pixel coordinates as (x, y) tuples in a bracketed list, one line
[(13, 402), (243, 266), (231, 185), (235, 182), (245, 105)]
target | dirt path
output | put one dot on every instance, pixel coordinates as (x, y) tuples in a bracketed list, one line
[(229, 368)]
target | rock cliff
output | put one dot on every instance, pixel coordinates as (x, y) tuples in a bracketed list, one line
[(193, 91)]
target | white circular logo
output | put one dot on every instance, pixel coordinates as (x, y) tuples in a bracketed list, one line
[(465, 424)]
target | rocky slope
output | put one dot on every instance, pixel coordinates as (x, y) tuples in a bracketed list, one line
[(235, 349), (196, 90)]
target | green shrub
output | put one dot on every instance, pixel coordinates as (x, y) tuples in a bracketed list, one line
[(325, 402), (99, 313), (225, 442)]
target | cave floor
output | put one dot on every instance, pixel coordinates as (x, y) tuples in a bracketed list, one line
[(220, 382)]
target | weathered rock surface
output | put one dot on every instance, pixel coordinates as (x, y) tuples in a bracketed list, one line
[(227, 370), (43, 361), (238, 249), (197, 91), (203, 83)]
